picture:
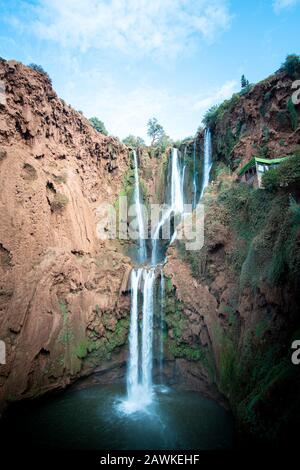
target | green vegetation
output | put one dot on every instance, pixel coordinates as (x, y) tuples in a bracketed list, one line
[(61, 178), (285, 177), (133, 141), (244, 82), (30, 172), (82, 349), (216, 113), (66, 334), (154, 131), (3, 155), (245, 85), (128, 185), (59, 202), (98, 125), (159, 139), (266, 226), (291, 66), (270, 180), (293, 115), (96, 349), (254, 370), (39, 69), (192, 353)]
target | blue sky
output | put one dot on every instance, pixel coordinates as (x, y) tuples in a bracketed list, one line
[(128, 60)]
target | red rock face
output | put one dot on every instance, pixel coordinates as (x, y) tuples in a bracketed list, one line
[(61, 288), (259, 122)]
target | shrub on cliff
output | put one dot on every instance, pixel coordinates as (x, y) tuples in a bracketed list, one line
[(291, 66), (292, 114), (133, 141), (39, 69), (216, 112), (59, 202), (271, 180), (163, 142), (98, 125), (285, 176)]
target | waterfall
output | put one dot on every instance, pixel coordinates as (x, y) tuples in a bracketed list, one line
[(176, 184), (161, 338), (133, 369), (176, 204), (147, 330), (139, 374), (194, 176), (207, 160), (139, 212)]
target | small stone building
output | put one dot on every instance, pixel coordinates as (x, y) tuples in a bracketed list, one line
[(252, 172)]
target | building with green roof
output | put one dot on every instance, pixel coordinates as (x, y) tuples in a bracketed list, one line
[(252, 172)]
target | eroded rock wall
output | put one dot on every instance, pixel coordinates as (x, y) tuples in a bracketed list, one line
[(63, 301)]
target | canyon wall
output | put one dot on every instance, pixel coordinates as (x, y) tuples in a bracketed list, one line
[(263, 122), (63, 292), (236, 311), (231, 309)]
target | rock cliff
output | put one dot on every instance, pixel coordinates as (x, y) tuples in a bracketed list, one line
[(63, 302), (237, 310)]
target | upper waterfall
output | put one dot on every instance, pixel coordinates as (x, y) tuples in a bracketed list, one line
[(139, 212), (194, 175), (207, 160), (176, 184), (176, 205)]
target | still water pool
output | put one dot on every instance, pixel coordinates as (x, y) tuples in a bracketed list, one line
[(94, 418)]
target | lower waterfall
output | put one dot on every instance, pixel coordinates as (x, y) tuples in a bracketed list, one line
[(161, 330), (140, 364)]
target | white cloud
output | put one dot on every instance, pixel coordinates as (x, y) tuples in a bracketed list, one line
[(280, 5), (221, 94), (137, 27), (126, 110)]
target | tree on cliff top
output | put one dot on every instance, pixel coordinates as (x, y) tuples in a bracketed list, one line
[(155, 130), (291, 66), (133, 141), (98, 125), (244, 82), (39, 69)]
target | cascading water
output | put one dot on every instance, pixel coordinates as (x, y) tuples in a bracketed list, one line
[(147, 331), (176, 184), (161, 337), (207, 160), (139, 375), (139, 212), (133, 368), (176, 201), (194, 176)]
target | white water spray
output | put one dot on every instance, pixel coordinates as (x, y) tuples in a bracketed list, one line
[(176, 205), (139, 375), (194, 176), (207, 160), (161, 337), (133, 368), (139, 212), (147, 330), (176, 184)]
